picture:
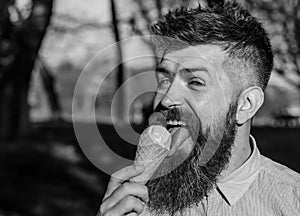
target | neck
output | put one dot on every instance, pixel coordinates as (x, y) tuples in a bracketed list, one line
[(241, 150)]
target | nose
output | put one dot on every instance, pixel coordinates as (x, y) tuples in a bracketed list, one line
[(173, 97)]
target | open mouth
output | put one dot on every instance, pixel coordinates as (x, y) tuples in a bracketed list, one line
[(173, 125)]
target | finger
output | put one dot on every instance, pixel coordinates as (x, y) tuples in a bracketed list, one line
[(121, 176), (127, 205), (126, 189)]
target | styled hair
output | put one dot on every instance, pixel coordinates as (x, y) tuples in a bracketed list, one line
[(228, 25)]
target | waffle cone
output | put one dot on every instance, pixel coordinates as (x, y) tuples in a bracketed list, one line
[(154, 146)]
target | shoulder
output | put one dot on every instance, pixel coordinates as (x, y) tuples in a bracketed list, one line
[(281, 183), (279, 173)]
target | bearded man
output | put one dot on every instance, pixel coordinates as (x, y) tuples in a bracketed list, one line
[(215, 63)]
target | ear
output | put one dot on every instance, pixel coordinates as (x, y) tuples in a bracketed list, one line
[(249, 102)]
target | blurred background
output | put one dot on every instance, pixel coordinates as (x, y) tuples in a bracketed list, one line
[(44, 46)]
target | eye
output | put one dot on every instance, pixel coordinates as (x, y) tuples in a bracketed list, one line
[(196, 83), (164, 82)]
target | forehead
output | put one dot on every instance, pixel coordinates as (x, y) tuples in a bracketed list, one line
[(210, 56)]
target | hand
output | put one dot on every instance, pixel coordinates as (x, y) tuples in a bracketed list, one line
[(122, 196)]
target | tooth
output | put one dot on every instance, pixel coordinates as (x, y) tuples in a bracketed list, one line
[(176, 122)]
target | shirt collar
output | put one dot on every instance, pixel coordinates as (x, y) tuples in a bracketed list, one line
[(234, 186)]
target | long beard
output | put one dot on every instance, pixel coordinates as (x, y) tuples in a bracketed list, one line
[(187, 185)]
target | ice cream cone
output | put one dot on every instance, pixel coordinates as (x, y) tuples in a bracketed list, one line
[(154, 145)]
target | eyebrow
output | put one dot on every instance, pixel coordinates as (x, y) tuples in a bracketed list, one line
[(161, 69), (191, 70)]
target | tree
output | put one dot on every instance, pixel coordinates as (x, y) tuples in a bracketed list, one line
[(282, 20), (21, 33)]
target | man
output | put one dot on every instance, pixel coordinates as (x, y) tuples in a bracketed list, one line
[(215, 64)]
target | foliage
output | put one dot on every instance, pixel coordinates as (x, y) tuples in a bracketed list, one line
[(282, 20)]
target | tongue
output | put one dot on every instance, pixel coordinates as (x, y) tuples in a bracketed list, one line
[(179, 136)]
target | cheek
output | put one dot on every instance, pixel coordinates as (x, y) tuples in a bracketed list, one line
[(222, 91), (155, 103), (157, 99), (201, 106), (213, 107), (210, 118)]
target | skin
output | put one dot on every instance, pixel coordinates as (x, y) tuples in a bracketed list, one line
[(206, 91), (123, 197)]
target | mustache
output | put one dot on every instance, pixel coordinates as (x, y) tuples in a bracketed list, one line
[(161, 117), (192, 122), (172, 114), (176, 114)]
